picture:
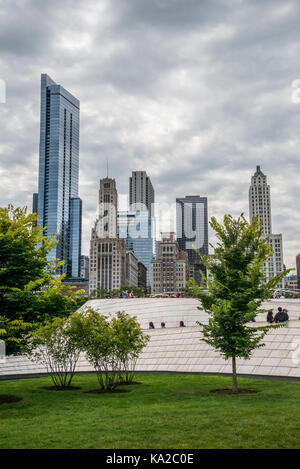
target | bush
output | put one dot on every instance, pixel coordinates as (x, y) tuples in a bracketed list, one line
[(56, 345), (112, 347), (130, 341)]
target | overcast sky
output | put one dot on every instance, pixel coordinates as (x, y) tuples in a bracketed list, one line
[(195, 92)]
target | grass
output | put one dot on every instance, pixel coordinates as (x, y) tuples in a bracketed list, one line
[(165, 411)]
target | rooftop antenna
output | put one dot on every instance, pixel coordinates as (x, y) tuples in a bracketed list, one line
[(107, 168)]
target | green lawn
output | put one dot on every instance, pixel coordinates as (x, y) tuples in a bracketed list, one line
[(165, 411)]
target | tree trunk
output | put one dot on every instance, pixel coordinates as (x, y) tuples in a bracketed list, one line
[(234, 376)]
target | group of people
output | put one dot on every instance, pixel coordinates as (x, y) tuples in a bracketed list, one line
[(125, 294), (280, 316), (163, 325)]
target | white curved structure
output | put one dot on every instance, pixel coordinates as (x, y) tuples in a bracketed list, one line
[(180, 349)]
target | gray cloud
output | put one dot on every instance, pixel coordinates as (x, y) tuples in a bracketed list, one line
[(196, 93)]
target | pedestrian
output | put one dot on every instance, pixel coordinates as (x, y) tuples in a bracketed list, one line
[(181, 324), (281, 316), (270, 317), (151, 325), (163, 325)]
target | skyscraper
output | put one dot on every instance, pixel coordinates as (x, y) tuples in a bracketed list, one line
[(59, 205), (260, 200), (107, 267), (136, 228), (141, 192), (192, 230), (260, 207)]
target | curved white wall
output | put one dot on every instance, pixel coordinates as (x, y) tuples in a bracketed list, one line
[(180, 349)]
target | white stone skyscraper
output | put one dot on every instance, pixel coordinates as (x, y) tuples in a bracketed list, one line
[(107, 253), (260, 200), (260, 207)]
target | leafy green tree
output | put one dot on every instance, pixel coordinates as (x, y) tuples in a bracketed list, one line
[(23, 250), (98, 342), (112, 346), (236, 286), (56, 345), (29, 292), (99, 293), (137, 292), (130, 341)]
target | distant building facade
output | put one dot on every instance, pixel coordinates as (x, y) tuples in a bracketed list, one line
[(170, 271), (298, 270), (132, 270), (192, 231), (142, 276), (291, 282), (58, 204), (84, 267)]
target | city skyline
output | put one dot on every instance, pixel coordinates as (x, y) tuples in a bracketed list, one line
[(198, 123)]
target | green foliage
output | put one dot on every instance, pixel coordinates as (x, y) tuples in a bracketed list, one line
[(138, 292), (101, 293), (23, 249), (236, 288), (57, 346), (130, 341), (110, 346), (29, 295), (13, 333)]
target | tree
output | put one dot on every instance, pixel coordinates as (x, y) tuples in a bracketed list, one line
[(99, 293), (130, 341), (138, 292), (98, 342), (111, 346), (57, 346), (29, 293), (236, 286)]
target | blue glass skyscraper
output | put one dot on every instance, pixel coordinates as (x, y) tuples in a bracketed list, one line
[(59, 206), (192, 230), (137, 230)]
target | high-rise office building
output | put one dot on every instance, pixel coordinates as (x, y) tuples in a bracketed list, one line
[(132, 269), (59, 206), (107, 266), (141, 192), (170, 271), (142, 276), (260, 207), (192, 231), (84, 267), (137, 229)]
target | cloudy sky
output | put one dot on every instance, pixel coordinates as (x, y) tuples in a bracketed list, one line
[(195, 92)]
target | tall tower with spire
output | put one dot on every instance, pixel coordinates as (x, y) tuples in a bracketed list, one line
[(260, 207), (260, 200)]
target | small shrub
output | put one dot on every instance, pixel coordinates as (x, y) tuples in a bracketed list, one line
[(56, 345)]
